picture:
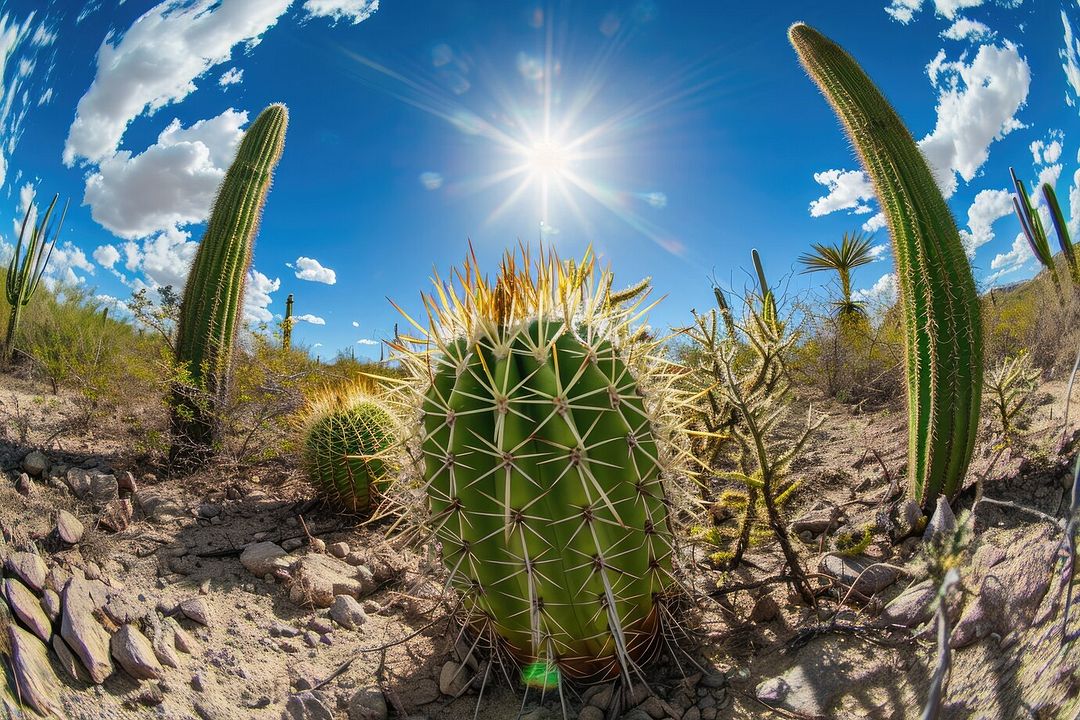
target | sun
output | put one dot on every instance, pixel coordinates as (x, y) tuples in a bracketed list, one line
[(547, 158)]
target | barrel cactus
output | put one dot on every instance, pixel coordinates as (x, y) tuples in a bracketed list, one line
[(938, 301), (548, 463), (214, 294), (349, 437)]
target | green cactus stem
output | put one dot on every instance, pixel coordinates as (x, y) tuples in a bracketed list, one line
[(1033, 228), (213, 297), (939, 303), (25, 270), (1062, 229), (286, 324)]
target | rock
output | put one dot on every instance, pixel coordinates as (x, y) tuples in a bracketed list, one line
[(35, 463), (122, 608), (103, 489), (347, 613), (454, 679), (37, 683), (306, 676), (135, 654), (126, 481), (68, 527), (292, 544), (909, 608), (196, 609), (909, 515), (765, 609), (863, 574), (305, 706), (321, 625), (368, 703), (27, 608), (280, 629), (50, 603), (24, 485), (317, 579), (83, 633), (714, 680), (692, 714), (28, 567), (590, 712), (183, 641), (942, 524), (78, 481), (209, 510), (317, 545), (165, 648), (68, 662), (117, 515), (264, 558), (819, 521), (339, 549), (156, 507)]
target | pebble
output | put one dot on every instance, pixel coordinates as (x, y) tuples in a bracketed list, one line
[(368, 703), (68, 527), (454, 679), (135, 654), (347, 612), (28, 567), (263, 558), (196, 609), (305, 706), (24, 485), (35, 463), (338, 549)]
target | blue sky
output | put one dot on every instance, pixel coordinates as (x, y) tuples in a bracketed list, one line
[(672, 136)]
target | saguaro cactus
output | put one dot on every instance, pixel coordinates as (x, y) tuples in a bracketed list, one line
[(1033, 228), (1062, 228), (25, 271), (938, 300), (213, 296), (286, 324)]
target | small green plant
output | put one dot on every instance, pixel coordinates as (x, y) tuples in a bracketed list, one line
[(25, 270), (852, 252), (853, 542), (349, 437), (1032, 225), (938, 300), (1009, 389), (213, 296)]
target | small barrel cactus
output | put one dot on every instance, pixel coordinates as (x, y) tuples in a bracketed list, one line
[(547, 462), (349, 437)]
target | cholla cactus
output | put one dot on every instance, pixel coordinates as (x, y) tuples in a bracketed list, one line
[(350, 437), (550, 454), (1008, 390)]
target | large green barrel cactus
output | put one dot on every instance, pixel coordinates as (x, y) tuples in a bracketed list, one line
[(348, 438), (213, 297), (938, 300), (545, 460)]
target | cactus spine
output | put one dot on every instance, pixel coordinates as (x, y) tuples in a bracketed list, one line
[(545, 463), (1033, 228), (349, 436), (286, 324), (1062, 229), (213, 297), (940, 307), (25, 271)]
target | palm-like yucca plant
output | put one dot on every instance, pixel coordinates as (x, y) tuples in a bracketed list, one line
[(25, 271), (852, 252)]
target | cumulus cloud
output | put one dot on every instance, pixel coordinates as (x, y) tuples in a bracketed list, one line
[(230, 77), (431, 180), (355, 324), (156, 62), (965, 29), (106, 256), (880, 252), (1048, 176), (1074, 205), (309, 318), (352, 11), (988, 207), (977, 104), (875, 223), (20, 43), (257, 298), (367, 341), (881, 295), (1011, 261), (164, 258), (848, 190), (172, 183), (310, 269), (904, 10), (66, 259), (1047, 152), (1070, 61)]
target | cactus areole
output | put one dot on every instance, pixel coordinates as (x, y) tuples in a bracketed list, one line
[(939, 304), (544, 468), (214, 294)]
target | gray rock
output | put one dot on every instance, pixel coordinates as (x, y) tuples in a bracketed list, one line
[(909, 608), (24, 485), (196, 609), (368, 703), (35, 463), (339, 549), (117, 515), (306, 676), (123, 608), (165, 648), (692, 714), (347, 613), (135, 654), (28, 567), (863, 574), (50, 603), (305, 706), (68, 527), (454, 679), (27, 608), (591, 712), (103, 489), (909, 515), (315, 580), (38, 685), (156, 507), (714, 680), (292, 544), (264, 558), (942, 524), (83, 633), (819, 521), (68, 662)]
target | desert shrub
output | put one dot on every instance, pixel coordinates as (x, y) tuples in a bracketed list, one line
[(1033, 317)]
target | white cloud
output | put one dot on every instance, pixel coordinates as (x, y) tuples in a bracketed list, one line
[(164, 258), (20, 43), (965, 29), (65, 260), (232, 76), (875, 223), (1070, 58), (988, 207), (881, 295), (355, 324), (317, 345), (848, 190), (904, 10), (657, 199), (170, 184), (353, 11), (977, 104), (431, 180), (1047, 176), (1074, 206), (1047, 152), (1011, 261), (156, 62), (257, 298), (106, 256), (367, 341), (880, 252), (310, 269), (313, 319)]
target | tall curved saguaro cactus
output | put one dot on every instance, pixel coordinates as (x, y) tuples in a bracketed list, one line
[(1062, 229), (1033, 228), (213, 297), (25, 270), (938, 299)]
